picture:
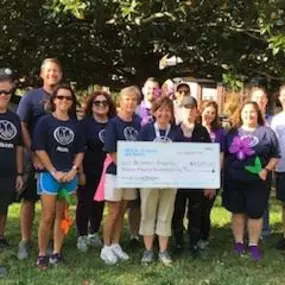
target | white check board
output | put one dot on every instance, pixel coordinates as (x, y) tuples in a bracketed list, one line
[(168, 165)]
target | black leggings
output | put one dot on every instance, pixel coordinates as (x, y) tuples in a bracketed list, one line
[(88, 212), (198, 215)]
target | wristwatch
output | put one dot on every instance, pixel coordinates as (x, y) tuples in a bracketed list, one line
[(74, 167)]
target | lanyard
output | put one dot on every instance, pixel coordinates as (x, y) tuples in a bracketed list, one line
[(157, 133)]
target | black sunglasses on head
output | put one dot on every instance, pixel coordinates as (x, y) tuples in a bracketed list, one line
[(103, 103)]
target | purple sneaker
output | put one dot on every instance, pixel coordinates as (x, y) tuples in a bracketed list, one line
[(239, 248), (255, 252)]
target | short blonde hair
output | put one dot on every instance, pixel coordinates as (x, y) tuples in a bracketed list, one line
[(130, 90)]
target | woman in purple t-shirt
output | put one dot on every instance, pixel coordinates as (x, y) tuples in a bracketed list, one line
[(210, 120)]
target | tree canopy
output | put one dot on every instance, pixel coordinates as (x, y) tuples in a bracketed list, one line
[(118, 42)]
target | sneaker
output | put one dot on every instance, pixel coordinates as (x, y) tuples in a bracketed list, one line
[(3, 243), (24, 249), (202, 244), (55, 258), (134, 242), (255, 252), (165, 258), (94, 240), (82, 243), (281, 244), (108, 255), (42, 262), (116, 248), (239, 248), (147, 257)]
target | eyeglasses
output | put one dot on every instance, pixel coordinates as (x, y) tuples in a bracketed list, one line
[(5, 92), (61, 97), (103, 103)]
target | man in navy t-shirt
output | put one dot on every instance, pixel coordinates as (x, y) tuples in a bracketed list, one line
[(30, 110)]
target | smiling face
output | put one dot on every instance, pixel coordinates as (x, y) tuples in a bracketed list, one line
[(51, 73), (63, 100), (150, 90), (190, 114), (6, 88), (209, 114), (249, 116), (163, 115), (128, 101), (100, 105), (260, 97)]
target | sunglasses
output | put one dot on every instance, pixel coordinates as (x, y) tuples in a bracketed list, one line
[(5, 92), (184, 91), (103, 103), (61, 97)]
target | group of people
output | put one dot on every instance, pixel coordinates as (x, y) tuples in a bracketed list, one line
[(45, 149)]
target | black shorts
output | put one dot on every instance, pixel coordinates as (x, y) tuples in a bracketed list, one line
[(280, 186), (246, 198), (30, 191), (7, 193)]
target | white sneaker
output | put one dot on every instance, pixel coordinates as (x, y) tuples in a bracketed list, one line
[(108, 255), (82, 243), (94, 240), (117, 250)]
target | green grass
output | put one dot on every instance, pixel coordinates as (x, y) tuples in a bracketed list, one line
[(218, 266)]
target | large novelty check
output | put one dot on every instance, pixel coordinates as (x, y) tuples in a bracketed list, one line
[(168, 165)]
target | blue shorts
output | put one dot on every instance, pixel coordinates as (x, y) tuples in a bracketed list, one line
[(47, 184)]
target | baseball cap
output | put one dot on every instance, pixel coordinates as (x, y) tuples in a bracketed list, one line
[(6, 73), (189, 102), (183, 83)]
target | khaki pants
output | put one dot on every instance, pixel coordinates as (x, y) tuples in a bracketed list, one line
[(157, 207)]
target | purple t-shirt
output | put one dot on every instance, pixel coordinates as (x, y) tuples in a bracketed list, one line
[(264, 144)]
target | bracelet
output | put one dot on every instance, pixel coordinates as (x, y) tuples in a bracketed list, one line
[(53, 172), (20, 174), (267, 169)]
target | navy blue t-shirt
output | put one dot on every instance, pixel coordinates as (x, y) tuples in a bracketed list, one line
[(32, 107), (147, 133), (62, 140), (10, 138), (94, 154), (120, 130), (265, 145)]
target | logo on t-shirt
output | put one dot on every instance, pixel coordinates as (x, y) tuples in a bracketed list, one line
[(130, 134), (101, 135), (63, 135), (7, 130), (253, 140)]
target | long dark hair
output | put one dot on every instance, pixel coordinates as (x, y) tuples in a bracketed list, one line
[(51, 106), (216, 122), (236, 118), (89, 103)]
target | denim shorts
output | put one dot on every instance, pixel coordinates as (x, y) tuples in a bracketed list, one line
[(47, 184)]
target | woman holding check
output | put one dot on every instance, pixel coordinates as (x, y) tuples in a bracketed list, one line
[(60, 148), (157, 205)]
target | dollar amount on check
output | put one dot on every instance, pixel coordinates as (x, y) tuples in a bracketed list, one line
[(168, 165)]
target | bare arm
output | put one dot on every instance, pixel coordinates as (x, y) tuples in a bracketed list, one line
[(77, 163), (45, 160), (20, 159), (222, 160), (113, 156), (269, 167), (26, 136)]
